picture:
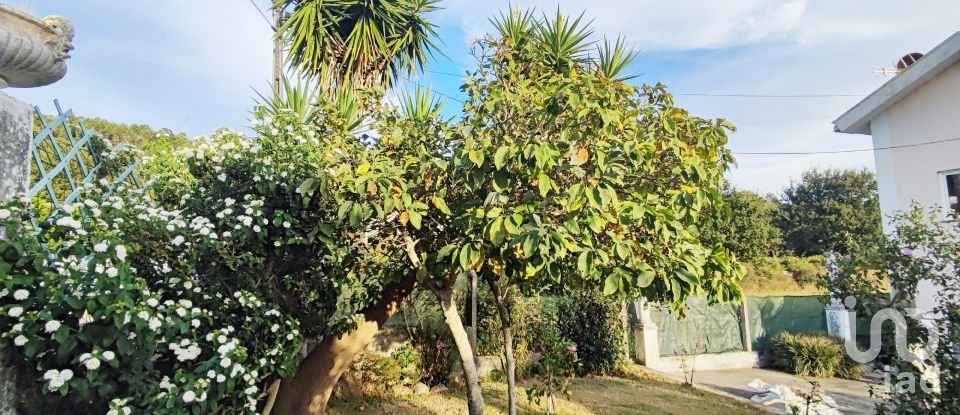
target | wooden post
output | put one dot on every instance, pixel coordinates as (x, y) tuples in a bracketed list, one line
[(277, 51)]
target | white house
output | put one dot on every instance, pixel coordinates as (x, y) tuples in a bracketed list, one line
[(914, 119)]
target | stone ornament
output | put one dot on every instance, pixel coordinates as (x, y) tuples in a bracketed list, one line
[(33, 52)]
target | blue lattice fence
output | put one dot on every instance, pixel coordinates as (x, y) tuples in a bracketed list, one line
[(66, 156)]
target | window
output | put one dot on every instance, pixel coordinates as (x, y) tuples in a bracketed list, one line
[(951, 183)]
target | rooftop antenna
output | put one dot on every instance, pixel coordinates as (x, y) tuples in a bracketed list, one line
[(884, 71)]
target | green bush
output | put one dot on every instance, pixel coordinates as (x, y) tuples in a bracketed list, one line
[(371, 373), (592, 322), (429, 337), (812, 355), (409, 360), (535, 318), (805, 271)]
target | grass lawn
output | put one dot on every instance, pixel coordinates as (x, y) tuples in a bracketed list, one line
[(602, 395)]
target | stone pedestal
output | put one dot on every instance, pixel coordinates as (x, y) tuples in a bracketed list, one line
[(16, 132), (646, 336), (840, 321)]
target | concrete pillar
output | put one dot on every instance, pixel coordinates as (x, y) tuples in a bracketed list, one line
[(745, 334), (840, 321), (16, 132), (646, 336)]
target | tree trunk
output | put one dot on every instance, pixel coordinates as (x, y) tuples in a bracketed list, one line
[(308, 391), (462, 341), (506, 324)]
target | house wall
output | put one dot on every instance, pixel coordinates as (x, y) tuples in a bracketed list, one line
[(912, 175)]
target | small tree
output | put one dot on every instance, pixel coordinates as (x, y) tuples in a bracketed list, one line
[(574, 178), (828, 208)]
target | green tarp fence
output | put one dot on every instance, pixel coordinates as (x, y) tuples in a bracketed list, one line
[(716, 328)]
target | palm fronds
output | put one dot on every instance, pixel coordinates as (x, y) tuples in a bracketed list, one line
[(358, 43), (421, 105), (613, 59), (564, 41)]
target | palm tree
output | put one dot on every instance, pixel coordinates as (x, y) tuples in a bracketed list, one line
[(357, 43)]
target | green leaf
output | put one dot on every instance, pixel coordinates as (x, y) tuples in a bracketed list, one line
[(686, 276), (445, 251), (544, 184), (344, 208), (583, 262), (645, 278), (612, 284), (363, 169), (416, 219), (500, 158), (356, 215), (529, 244), (497, 234), (439, 203), (307, 186), (476, 156), (465, 257)]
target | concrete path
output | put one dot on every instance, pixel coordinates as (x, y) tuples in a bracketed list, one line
[(853, 396)]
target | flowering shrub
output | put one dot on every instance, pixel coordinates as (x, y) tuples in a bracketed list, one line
[(108, 303)]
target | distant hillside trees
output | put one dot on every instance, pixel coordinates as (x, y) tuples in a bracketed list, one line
[(827, 209), (746, 225)]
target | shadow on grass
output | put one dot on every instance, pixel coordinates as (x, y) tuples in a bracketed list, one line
[(599, 395)]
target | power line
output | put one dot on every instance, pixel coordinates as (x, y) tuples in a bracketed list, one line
[(447, 74), (265, 19), (860, 150), (701, 94), (431, 89)]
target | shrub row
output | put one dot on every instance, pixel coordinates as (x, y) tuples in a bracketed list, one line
[(812, 355)]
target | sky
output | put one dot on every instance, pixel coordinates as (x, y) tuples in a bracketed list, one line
[(195, 66)]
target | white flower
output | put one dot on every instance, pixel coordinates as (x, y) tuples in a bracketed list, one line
[(221, 378), (15, 311), (153, 302), (108, 355), (154, 324), (52, 326), (21, 295), (17, 328), (92, 363), (112, 272), (211, 374), (225, 362), (121, 252), (20, 340), (4, 213), (286, 224), (177, 241), (189, 396), (229, 202), (101, 247), (66, 374)]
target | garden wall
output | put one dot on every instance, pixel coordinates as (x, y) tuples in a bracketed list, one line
[(717, 328)]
